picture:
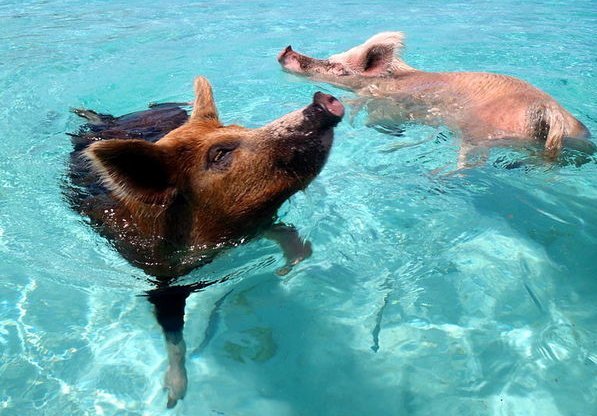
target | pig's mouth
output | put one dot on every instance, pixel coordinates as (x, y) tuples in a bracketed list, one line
[(298, 64), (290, 60), (282, 54)]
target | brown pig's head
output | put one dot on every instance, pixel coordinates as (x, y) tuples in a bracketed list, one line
[(353, 69), (224, 180)]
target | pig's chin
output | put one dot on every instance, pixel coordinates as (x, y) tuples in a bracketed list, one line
[(309, 157), (303, 148), (327, 139), (292, 65)]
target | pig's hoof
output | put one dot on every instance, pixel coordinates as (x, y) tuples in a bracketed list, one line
[(305, 252), (176, 383), (283, 271)]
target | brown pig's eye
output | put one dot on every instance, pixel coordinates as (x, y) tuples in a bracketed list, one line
[(220, 155)]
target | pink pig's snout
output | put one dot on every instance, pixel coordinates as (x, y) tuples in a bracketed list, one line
[(290, 60), (283, 54)]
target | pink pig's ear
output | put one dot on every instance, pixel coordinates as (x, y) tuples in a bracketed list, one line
[(375, 56), (134, 169)]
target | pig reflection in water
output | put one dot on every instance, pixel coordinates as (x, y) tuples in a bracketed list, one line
[(171, 191), (484, 108)]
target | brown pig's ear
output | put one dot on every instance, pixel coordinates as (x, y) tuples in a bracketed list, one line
[(204, 106), (134, 169)]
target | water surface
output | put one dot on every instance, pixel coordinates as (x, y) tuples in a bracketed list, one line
[(427, 293)]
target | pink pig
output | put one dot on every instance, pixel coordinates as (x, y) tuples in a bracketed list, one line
[(482, 107)]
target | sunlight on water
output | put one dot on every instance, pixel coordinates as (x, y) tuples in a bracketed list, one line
[(428, 292)]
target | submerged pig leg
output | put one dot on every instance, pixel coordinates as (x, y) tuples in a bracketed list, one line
[(295, 249), (471, 155), (169, 303)]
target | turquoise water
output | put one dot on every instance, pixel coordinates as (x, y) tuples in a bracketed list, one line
[(427, 293)]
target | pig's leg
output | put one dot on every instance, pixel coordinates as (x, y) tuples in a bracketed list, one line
[(295, 249), (388, 116), (356, 105), (169, 303), (391, 129), (471, 155)]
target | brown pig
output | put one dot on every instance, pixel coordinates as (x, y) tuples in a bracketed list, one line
[(170, 191), (482, 107)]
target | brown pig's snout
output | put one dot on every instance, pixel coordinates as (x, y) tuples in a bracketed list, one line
[(330, 105)]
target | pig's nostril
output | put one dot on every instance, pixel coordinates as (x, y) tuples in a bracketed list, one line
[(329, 104)]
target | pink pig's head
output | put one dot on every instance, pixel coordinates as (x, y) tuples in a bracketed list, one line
[(353, 69)]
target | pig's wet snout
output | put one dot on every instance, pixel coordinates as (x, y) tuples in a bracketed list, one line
[(283, 54), (330, 105), (291, 61)]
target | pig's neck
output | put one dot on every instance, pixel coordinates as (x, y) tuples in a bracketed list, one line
[(162, 240), (180, 225), (396, 81)]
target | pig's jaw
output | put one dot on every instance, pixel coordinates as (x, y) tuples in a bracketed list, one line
[(345, 81), (299, 64), (349, 82), (292, 65), (321, 70)]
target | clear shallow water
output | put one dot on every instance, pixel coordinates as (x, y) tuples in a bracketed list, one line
[(427, 292)]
